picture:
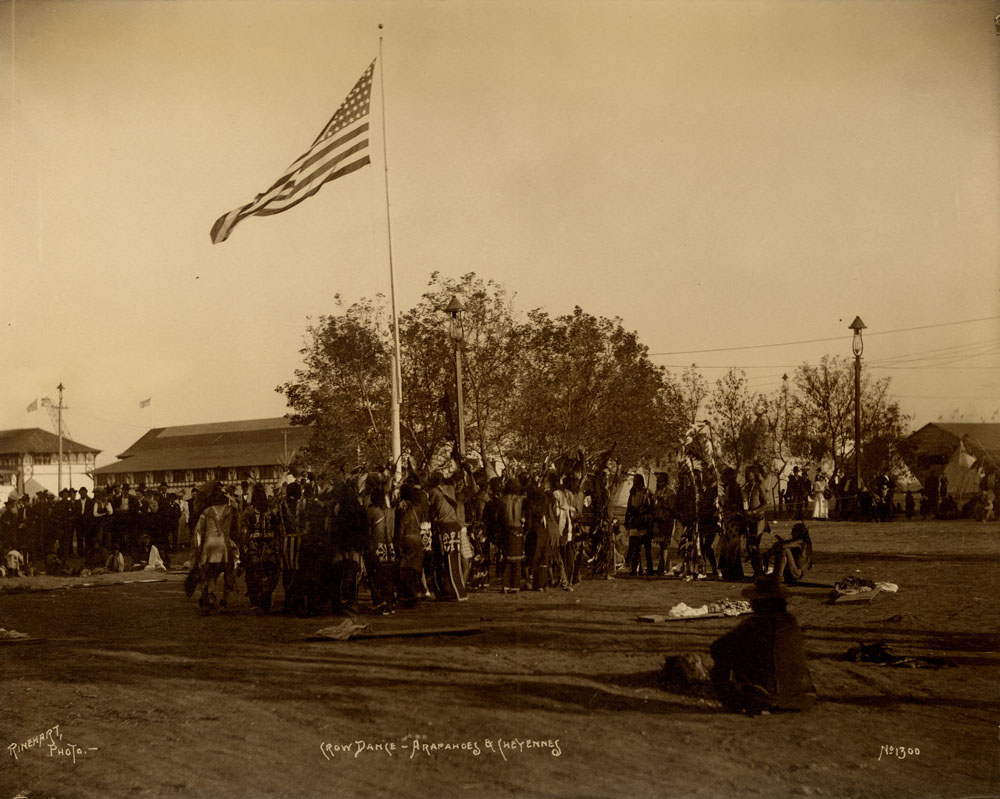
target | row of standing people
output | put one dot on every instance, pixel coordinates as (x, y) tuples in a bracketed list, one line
[(439, 537), (78, 525), (721, 528), (837, 497)]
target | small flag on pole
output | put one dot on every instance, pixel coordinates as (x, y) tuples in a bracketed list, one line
[(33, 406), (340, 149), (145, 403)]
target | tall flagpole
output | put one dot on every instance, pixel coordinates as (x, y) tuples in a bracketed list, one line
[(396, 376)]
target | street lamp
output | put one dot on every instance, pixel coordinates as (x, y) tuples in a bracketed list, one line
[(857, 346), (457, 335)]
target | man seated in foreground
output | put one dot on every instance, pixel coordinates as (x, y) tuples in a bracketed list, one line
[(760, 665)]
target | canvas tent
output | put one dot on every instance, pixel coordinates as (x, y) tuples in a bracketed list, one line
[(963, 474), (31, 487)]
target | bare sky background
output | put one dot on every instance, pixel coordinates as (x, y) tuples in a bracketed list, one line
[(717, 174)]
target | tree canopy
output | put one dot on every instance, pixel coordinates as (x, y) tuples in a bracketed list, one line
[(538, 386), (534, 387), (813, 422)]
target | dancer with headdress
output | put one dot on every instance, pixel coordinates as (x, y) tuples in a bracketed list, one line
[(699, 502)]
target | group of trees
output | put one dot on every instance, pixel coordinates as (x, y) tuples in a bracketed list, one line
[(811, 420), (533, 387), (536, 386)]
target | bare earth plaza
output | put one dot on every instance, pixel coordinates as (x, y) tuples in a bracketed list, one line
[(557, 695), (544, 399)]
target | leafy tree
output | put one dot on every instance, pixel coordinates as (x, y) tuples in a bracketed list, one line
[(487, 363), (533, 389), (824, 417), (884, 447), (823, 410), (775, 449), (586, 382), (693, 389), (343, 387), (739, 418)]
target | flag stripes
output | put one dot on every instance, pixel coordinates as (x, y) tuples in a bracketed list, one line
[(289, 199), (341, 148)]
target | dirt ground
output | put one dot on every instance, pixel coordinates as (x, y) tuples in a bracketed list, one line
[(136, 694)]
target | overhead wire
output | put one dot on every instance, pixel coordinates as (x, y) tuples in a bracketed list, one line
[(934, 358), (819, 340), (934, 353)]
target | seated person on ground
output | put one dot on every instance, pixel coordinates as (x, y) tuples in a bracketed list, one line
[(760, 665), (149, 556), (53, 563), (116, 561), (14, 563), (792, 558)]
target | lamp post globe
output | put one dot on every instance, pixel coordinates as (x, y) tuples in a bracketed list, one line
[(454, 310), (857, 343)]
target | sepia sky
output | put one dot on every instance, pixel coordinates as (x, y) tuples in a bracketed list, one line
[(717, 174)]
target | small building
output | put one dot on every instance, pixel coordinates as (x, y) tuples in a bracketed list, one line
[(29, 462), (934, 450), (258, 450), (934, 444)]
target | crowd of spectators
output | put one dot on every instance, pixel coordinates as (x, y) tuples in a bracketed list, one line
[(115, 528)]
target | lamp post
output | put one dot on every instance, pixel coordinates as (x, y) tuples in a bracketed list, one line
[(457, 335), (857, 346)]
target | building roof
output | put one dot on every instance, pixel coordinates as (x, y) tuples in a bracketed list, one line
[(980, 435), (36, 441), (255, 442)]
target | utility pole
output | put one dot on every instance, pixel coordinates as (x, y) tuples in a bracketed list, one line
[(60, 432)]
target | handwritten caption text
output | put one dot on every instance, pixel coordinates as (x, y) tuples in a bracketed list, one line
[(409, 749), (52, 743), (898, 752)]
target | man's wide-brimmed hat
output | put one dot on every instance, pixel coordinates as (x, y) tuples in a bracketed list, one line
[(766, 587)]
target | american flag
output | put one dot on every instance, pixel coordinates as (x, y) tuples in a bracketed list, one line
[(340, 149)]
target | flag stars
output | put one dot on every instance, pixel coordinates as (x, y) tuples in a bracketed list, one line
[(355, 106)]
